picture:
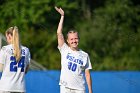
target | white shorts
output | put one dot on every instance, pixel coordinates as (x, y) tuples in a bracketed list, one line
[(64, 89), (9, 92)]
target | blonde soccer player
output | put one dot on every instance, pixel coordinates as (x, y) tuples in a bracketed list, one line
[(75, 63), (14, 63)]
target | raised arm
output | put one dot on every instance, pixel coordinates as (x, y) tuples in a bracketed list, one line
[(60, 36)]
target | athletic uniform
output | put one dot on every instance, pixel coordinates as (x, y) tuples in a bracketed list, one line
[(12, 78), (73, 65)]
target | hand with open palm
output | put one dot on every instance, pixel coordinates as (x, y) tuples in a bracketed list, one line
[(60, 10)]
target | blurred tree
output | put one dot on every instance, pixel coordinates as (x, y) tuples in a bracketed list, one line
[(36, 20), (109, 29), (113, 35)]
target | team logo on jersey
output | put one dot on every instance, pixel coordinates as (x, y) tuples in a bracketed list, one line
[(73, 59)]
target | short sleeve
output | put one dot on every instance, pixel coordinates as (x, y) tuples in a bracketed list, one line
[(63, 48), (88, 64), (2, 55), (28, 56)]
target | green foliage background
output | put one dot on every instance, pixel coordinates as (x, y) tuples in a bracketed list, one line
[(109, 29)]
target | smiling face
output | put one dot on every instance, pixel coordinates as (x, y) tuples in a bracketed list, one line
[(73, 40)]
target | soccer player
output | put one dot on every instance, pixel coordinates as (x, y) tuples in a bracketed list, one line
[(75, 63), (14, 63)]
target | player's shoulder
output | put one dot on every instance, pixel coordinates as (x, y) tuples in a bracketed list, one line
[(6, 47), (83, 52), (24, 47), (64, 45)]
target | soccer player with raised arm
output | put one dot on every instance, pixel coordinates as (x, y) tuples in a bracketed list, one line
[(75, 63)]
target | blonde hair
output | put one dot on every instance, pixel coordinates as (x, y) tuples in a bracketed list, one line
[(13, 31), (73, 31)]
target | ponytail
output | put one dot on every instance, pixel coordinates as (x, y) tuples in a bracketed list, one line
[(16, 44)]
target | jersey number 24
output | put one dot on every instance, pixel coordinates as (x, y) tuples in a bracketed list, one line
[(14, 65)]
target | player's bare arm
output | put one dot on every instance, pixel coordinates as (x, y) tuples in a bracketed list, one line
[(60, 27), (27, 69), (88, 79), (1, 67)]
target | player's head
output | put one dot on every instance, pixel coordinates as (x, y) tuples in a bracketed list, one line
[(12, 37), (73, 39), (9, 35)]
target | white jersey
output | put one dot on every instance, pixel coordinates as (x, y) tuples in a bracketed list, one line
[(73, 65), (12, 78)]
